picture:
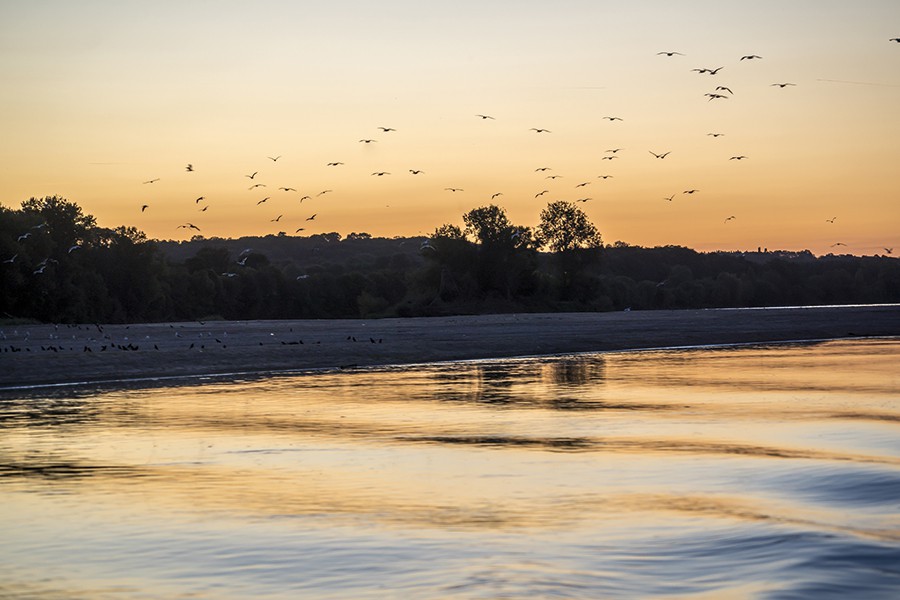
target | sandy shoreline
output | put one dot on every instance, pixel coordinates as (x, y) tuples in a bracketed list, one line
[(48, 354)]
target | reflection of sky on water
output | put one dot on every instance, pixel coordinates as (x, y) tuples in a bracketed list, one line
[(623, 446)]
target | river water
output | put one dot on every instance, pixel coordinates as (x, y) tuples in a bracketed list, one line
[(739, 472)]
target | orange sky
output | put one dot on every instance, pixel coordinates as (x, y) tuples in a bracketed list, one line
[(100, 96)]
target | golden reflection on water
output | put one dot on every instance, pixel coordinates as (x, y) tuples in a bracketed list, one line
[(604, 444)]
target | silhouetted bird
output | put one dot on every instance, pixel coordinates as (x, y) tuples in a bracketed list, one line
[(263, 200), (287, 189), (722, 88), (334, 164), (715, 97), (891, 249), (188, 226), (416, 171), (312, 217), (741, 157), (274, 159), (189, 168), (663, 155), (604, 176), (197, 201), (380, 173), (152, 180), (670, 53), (715, 135), (485, 116), (253, 176), (541, 193), (614, 118), (783, 85), (831, 220), (540, 130), (750, 56), (144, 207), (256, 185), (495, 195), (367, 141), (452, 189), (690, 191), (386, 129), (729, 218)]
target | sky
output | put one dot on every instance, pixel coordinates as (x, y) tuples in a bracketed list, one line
[(101, 96)]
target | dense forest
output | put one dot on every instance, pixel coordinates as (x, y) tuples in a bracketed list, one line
[(58, 265)]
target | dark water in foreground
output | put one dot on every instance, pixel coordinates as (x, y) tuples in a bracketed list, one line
[(758, 472)]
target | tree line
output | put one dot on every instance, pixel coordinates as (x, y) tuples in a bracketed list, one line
[(58, 265)]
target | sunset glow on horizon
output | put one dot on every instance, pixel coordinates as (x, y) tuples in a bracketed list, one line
[(100, 97)]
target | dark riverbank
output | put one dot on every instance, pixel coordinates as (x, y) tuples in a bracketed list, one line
[(48, 354)]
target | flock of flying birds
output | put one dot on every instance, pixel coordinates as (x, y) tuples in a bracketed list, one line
[(718, 94)]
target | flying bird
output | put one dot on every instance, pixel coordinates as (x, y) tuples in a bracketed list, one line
[(690, 191), (663, 155), (729, 218), (722, 88), (670, 53), (485, 117), (608, 157), (613, 118), (11, 260), (198, 200), (540, 130), (552, 176), (716, 96), (614, 150), (24, 236), (669, 198), (380, 173), (312, 217), (367, 141), (323, 192), (144, 207), (305, 198), (604, 176), (583, 184), (495, 195), (741, 157), (895, 40), (582, 199), (256, 185), (783, 85), (189, 168), (263, 200), (715, 135), (386, 129), (831, 220), (274, 159), (452, 189), (750, 56), (253, 175), (838, 244), (188, 226), (276, 219), (152, 180), (73, 248), (542, 193), (287, 189), (299, 229), (887, 250), (543, 169), (334, 164)]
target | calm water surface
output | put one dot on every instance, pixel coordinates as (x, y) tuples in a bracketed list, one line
[(747, 472)]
